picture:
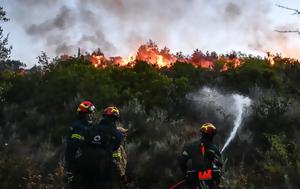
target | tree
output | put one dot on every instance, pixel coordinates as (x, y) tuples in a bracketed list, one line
[(11, 65), (44, 61), (4, 48)]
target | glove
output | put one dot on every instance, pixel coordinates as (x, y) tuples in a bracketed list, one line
[(217, 163)]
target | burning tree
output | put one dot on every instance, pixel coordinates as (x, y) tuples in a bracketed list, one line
[(97, 58)]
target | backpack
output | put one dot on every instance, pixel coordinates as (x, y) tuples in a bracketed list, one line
[(99, 136)]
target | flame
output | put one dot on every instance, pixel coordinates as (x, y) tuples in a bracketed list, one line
[(97, 60), (129, 59), (232, 61), (160, 61), (270, 58), (151, 54)]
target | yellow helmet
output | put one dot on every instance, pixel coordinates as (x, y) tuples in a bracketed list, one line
[(208, 128), (111, 111)]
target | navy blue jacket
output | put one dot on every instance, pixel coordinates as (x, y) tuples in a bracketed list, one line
[(104, 136), (100, 142), (75, 141)]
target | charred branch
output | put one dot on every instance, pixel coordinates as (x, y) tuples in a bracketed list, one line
[(289, 31), (296, 11)]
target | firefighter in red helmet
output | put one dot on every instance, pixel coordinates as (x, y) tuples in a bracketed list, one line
[(75, 142), (101, 141)]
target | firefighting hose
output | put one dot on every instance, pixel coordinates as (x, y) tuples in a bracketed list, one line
[(180, 182), (177, 184)]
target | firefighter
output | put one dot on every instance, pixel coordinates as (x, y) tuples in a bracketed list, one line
[(120, 162), (75, 142), (101, 140), (205, 160)]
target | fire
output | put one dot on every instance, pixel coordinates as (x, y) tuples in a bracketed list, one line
[(98, 59), (270, 58), (160, 61), (231, 60), (129, 59), (151, 54), (160, 58)]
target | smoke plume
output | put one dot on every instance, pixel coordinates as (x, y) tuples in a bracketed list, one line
[(118, 27)]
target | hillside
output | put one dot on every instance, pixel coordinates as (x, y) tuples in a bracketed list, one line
[(163, 107)]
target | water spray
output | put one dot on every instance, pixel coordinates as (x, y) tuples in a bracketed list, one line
[(241, 103), (233, 104)]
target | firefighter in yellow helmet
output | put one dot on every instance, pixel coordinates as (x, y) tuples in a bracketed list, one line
[(205, 160)]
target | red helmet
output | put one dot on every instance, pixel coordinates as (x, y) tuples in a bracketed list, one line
[(86, 106), (208, 128), (111, 111)]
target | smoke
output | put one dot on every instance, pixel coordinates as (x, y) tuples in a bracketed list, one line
[(37, 2), (118, 27), (61, 22), (232, 11)]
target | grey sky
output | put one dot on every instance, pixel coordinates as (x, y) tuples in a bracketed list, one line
[(118, 27)]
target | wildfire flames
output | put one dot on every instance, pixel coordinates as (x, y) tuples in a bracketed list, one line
[(151, 54), (270, 58)]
